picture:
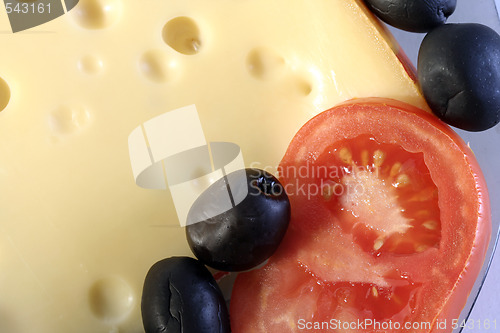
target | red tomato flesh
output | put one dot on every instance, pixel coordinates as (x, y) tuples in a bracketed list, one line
[(390, 223)]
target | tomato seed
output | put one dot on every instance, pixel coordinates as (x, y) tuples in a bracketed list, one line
[(422, 213), (378, 244), (396, 167), (364, 158), (327, 192), (421, 248), (396, 298), (345, 155), (402, 180), (431, 225), (378, 158)]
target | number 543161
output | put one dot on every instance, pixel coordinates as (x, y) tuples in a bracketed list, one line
[(475, 324), (25, 8)]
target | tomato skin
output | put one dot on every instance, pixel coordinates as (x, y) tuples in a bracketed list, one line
[(445, 274)]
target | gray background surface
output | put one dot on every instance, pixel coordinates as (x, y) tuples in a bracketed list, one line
[(486, 146)]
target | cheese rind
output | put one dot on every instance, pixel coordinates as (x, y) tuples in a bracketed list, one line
[(71, 214)]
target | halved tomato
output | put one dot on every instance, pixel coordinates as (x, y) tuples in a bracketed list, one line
[(390, 226)]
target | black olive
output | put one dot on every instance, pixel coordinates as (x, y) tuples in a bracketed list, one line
[(459, 74), (180, 295), (245, 235), (413, 15)]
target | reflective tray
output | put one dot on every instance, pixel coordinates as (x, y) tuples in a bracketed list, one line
[(482, 309)]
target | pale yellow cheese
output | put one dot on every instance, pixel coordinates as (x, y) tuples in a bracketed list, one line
[(77, 235)]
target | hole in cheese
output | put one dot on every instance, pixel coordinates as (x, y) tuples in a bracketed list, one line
[(264, 64), (68, 120), (4, 94), (96, 14), (154, 65), (300, 85), (182, 34), (90, 64), (111, 299)]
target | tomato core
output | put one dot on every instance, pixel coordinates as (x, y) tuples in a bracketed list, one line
[(382, 194)]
